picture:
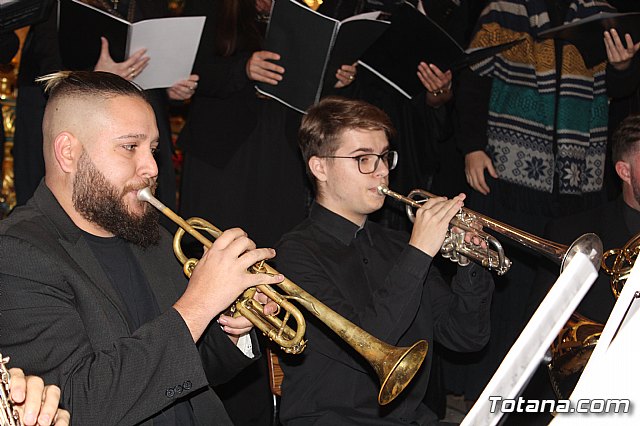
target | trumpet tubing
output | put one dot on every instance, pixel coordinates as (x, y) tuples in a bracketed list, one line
[(493, 257), (623, 260), (394, 366)]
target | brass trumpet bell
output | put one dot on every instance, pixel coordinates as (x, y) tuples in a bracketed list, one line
[(575, 343)]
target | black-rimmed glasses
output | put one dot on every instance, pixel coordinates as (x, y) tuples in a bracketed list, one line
[(368, 163)]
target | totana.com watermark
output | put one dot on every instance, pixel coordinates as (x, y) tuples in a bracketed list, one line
[(521, 405)]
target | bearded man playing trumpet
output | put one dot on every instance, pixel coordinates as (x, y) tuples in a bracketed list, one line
[(379, 279), (92, 297)]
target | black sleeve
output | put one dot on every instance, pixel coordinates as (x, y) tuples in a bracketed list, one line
[(221, 359), (123, 382), (472, 105), (621, 84), (461, 313)]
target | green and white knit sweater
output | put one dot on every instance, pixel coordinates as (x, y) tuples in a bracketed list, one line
[(522, 143)]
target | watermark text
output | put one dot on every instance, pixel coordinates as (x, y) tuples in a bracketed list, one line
[(521, 405)]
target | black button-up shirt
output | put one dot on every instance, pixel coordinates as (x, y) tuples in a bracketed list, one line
[(372, 277)]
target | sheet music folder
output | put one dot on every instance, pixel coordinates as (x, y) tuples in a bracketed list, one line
[(80, 27), (312, 47), (587, 34), (413, 38), (171, 43)]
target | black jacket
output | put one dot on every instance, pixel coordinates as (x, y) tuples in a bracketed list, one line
[(62, 319)]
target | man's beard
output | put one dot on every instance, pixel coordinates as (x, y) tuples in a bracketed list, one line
[(100, 202)]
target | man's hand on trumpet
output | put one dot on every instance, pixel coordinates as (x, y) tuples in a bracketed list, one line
[(470, 236), (432, 223), (237, 327), (36, 403), (220, 277)]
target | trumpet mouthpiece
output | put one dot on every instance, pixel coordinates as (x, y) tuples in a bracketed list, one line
[(145, 194), (382, 189)]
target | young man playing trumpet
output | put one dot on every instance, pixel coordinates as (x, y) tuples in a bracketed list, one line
[(379, 279), (93, 299)]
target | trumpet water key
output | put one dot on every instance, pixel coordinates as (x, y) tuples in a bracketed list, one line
[(394, 366)]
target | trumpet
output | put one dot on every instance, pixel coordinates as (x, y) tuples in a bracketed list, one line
[(394, 366), (623, 260), (493, 258)]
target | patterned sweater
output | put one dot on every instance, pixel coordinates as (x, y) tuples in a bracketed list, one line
[(528, 101)]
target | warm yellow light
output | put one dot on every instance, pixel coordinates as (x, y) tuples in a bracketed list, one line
[(313, 4)]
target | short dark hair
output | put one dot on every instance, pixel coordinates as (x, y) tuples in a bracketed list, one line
[(89, 83), (626, 138), (325, 122)]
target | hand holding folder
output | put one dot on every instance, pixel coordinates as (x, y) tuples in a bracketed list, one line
[(413, 38), (587, 34), (170, 43), (312, 47)]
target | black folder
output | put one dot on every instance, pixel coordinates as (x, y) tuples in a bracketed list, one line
[(412, 38), (80, 27), (16, 14), (311, 48), (587, 34)]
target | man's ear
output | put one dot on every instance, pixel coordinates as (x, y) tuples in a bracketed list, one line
[(66, 150), (624, 171), (318, 167)]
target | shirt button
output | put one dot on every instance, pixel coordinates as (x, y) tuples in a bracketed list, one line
[(365, 260), (474, 273)]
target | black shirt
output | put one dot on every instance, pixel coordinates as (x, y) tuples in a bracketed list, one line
[(126, 276), (372, 277)]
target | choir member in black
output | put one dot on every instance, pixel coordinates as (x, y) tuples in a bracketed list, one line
[(526, 169)]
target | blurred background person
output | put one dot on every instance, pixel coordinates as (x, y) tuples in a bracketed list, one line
[(534, 134)]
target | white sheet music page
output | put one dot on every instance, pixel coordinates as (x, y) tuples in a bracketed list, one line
[(527, 352), (171, 45), (608, 392)]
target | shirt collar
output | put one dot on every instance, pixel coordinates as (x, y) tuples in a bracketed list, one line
[(337, 226)]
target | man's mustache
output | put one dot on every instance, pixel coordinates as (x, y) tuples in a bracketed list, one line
[(145, 183)]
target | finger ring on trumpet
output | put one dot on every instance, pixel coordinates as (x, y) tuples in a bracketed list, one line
[(351, 77)]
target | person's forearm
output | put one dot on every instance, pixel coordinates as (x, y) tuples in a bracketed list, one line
[(621, 84)]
